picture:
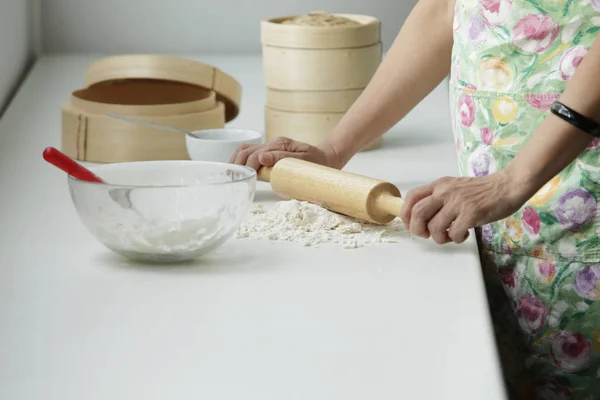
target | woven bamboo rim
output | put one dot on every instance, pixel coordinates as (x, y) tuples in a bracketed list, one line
[(142, 66), (99, 138), (311, 128), (274, 33)]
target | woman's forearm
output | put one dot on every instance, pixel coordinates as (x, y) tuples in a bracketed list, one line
[(417, 62), (556, 143)]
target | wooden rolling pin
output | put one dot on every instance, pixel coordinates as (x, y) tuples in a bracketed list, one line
[(354, 195)]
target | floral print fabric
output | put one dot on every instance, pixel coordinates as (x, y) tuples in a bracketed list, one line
[(511, 60)]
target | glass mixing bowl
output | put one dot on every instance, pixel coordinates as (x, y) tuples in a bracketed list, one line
[(164, 211)]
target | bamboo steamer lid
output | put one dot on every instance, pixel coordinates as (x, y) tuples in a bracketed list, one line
[(317, 69), (174, 69), (143, 97), (89, 134), (362, 31), (173, 91), (332, 101), (311, 128)]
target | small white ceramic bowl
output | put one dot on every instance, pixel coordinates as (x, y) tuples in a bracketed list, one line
[(217, 145)]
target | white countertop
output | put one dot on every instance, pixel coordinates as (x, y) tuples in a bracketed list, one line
[(252, 321)]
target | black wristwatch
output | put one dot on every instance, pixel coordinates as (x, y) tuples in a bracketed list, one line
[(579, 121)]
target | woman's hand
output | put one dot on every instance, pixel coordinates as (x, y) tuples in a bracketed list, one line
[(257, 156), (447, 208)]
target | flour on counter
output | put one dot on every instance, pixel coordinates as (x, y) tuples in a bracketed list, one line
[(311, 225)]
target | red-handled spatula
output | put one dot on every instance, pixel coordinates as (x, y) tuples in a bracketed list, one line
[(78, 171)]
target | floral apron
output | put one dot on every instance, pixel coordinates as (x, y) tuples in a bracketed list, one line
[(511, 59)]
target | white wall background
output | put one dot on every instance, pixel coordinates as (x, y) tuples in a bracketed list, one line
[(187, 26), (17, 44), (28, 27)]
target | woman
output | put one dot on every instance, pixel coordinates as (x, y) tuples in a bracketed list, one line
[(531, 177)]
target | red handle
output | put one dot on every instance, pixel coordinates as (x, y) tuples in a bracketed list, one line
[(76, 170)]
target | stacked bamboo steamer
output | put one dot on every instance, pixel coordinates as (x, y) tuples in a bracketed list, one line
[(166, 90), (315, 67)]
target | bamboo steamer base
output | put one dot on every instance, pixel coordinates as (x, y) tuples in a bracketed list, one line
[(98, 138), (89, 134), (311, 128), (334, 101)]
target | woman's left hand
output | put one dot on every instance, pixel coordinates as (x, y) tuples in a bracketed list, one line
[(447, 208)]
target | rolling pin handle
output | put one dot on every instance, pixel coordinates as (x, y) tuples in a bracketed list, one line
[(390, 204), (264, 174)]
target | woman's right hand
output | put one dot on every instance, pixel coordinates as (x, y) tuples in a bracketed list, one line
[(266, 155)]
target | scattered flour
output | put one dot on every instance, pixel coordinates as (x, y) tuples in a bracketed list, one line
[(311, 225)]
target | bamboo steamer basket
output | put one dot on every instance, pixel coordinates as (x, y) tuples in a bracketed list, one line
[(320, 69), (96, 137), (307, 127), (318, 58), (171, 91), (333, 101), (314, 74)]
